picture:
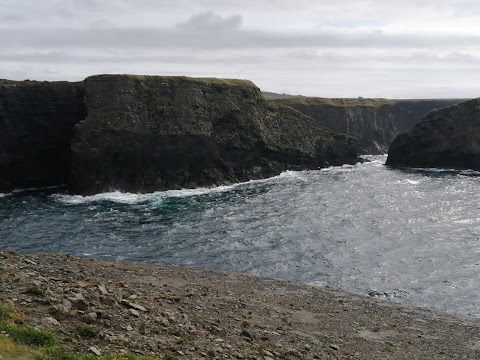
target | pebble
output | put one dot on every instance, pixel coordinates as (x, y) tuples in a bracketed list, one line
[(103, 290), (89, 318), (134, 312)]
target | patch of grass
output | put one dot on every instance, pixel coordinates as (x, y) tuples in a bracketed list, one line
[(34, 290), (6, 313), (28, 335), (87, 331), (332, 102), (56, 353), (10, 314), (11, 350), (59, 353), (209, 81), (170, 356)]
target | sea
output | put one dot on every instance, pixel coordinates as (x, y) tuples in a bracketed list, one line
[(406, 235)]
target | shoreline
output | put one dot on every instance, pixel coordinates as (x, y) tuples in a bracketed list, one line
[(155, 310)]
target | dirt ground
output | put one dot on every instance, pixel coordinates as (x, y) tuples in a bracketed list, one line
[(101, 307)]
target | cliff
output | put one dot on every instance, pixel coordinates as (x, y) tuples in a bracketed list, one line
[(374, 122), (146, 133), (446, 138), (36, 123)]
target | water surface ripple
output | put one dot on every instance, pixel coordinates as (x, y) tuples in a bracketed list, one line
[(408, 235)]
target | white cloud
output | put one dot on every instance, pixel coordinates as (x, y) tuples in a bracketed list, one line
[(348, 48)]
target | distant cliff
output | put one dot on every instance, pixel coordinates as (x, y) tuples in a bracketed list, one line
[(446, 138), (374, 122), (36, 124), (146, 133)]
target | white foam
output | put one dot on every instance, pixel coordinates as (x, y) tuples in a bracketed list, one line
[(133, 198), (413, 182)]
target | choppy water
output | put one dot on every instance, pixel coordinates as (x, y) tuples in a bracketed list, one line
[(409, 235)]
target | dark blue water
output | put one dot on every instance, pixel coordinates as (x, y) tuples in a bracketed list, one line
[(408, 235)]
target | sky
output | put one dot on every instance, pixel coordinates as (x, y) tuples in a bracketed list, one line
[(327, 48)]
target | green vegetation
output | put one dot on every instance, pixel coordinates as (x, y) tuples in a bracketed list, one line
[(333, 102), (29, 336), (28, 343), (208, 81), (34, 290), (7, 313), (87, 331), (58, 353), (170, 356)]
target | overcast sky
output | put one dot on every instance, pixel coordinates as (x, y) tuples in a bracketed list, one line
[(343, 48)]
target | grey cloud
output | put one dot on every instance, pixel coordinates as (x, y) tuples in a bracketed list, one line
[(210, 31), (210, 22)]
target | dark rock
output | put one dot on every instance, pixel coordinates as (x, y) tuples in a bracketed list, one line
[(446, 138), (374, 122), (36, 124), (148, 133)]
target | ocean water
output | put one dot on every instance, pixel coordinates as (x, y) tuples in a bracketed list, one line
[(407, 235)]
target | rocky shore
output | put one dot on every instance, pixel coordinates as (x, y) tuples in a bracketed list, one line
[(100, 307)]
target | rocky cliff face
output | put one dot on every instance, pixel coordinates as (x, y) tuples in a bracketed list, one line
[(446, 138), (36, 123), (146, 133), (374, 122)]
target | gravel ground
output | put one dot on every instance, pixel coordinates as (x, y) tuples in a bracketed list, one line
[(95, 306)]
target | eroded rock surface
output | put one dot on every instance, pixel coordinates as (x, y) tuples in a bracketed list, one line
[(36, 124), (446, 138), (147, 133), (374, 122)]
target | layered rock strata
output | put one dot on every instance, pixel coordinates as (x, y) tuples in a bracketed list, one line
[(374, 122), (147, 133)]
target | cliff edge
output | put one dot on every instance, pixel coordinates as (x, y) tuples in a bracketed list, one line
[(36, 124), (148, 133), (446, 138), (374, 122)]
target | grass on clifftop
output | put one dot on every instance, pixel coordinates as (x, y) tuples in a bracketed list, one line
[(28, 343), (208, 81), (333, 102)]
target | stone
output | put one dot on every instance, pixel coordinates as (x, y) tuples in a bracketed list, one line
[(61, 312), (80, 304), (89, 318), (133, 305), (103, 290), (134, 312), (51, 321), (95, 350)]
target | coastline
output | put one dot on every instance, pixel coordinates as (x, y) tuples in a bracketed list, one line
[(155, 310)]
